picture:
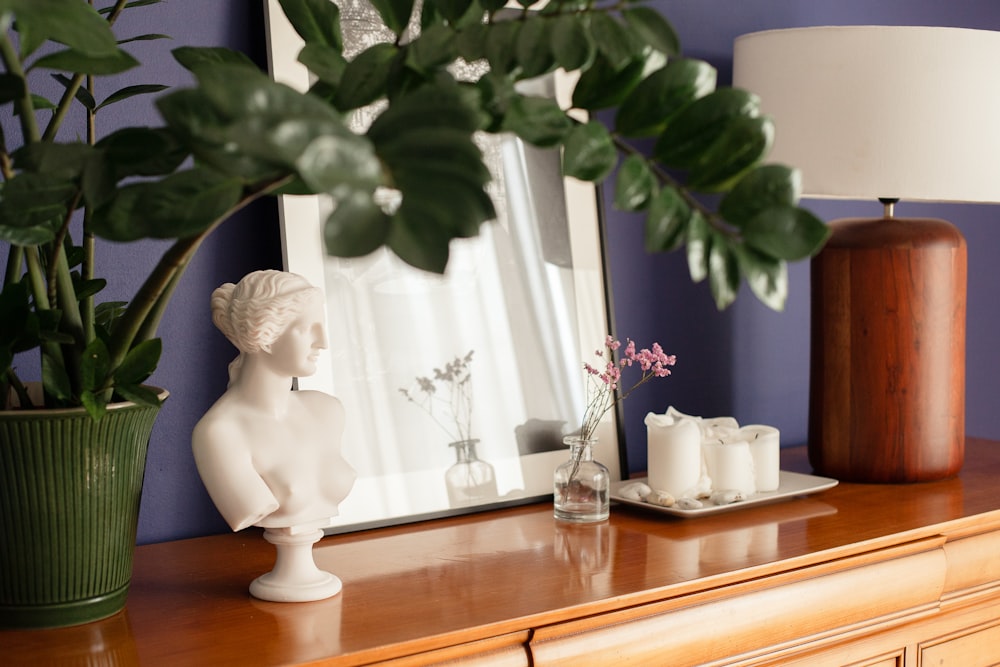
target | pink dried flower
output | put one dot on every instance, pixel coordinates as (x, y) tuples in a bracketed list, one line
[(604, 394)]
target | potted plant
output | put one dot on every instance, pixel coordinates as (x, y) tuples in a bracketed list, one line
[(237, 136)]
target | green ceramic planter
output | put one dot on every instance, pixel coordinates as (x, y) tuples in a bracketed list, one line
[(69, 509)]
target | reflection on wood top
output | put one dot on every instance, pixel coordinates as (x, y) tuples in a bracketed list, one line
[(461, 579)]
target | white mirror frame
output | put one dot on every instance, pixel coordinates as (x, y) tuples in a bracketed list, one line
[(400, 458)]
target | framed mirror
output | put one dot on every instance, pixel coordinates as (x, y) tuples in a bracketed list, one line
[(459, 388)]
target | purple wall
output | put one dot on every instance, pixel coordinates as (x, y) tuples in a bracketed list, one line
[(747, 362), (750, 362)]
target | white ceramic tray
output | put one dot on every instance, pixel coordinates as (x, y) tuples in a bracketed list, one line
[(790, 485)]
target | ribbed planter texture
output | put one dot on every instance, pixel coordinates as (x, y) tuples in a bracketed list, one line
[(69, 509)]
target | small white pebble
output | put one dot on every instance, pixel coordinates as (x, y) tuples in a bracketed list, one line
[(688, 504), (634, 491), (660, 498), (727, 497)]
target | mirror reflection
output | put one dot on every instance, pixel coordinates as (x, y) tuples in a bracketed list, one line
[(459, 388)]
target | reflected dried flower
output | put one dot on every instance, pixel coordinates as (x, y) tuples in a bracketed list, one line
[(447, 398)]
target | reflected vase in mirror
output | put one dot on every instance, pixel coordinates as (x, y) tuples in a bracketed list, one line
[(470, 480), (581, 484)]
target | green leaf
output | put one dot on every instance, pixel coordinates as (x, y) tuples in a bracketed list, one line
[(454, 10), (425, 140), (69, 60), (533, 50), (95, 362), (40, 103), (57, 160), (94, 404), (723, 273), (537, 120), (55, 379), (316, 21), (149, 37), (366, 77), (786, 232), (500, 48), (88, 288), (245, 125), (193, 58), (635, 184), (98, 181), (433, 48), (70, 22), (589, 153), (131, 5), (613, 41), (326, 63), (572, 46), (666, 221), (442, 174), (129, 92), (142, 151), (421, 246), (180, 205), (653, 29), (106, 314), (699, 246), (138, 394), (332, 161), (356, 227), (658, 98), (742, 143), (601, 86), (766, 276), (495, 95), (33, 207), (443, 106), (395, 13), (470, 41), (698, 125), (759, 189), (139, 363)]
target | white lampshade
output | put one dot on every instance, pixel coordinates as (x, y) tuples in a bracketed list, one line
[(881, 111)]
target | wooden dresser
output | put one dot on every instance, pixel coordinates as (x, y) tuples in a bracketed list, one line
[(856, 575)]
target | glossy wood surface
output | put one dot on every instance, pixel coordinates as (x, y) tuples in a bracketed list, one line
[(488, 579)]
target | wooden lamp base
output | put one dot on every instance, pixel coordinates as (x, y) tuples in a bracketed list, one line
[(887, 375)]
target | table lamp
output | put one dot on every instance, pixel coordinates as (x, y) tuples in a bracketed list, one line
[(884, 113)]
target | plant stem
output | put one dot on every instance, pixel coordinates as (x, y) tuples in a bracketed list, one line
[(711, 217), (87, 240), (71, 322), (25, 109)]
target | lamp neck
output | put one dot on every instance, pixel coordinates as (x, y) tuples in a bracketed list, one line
[(889, 204)]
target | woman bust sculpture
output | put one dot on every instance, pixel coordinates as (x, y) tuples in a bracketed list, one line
[(270, 456)]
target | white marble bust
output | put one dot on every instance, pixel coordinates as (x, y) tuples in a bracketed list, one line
[(269, 456)]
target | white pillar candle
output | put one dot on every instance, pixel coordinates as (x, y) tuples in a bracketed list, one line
[(765, 445), (730, 465), (717, 428), (674, 453)]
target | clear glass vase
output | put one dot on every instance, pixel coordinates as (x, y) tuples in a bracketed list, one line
[(470, 480), (581, 485)]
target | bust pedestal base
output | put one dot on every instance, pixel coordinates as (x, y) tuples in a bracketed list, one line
[(295, 577)]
